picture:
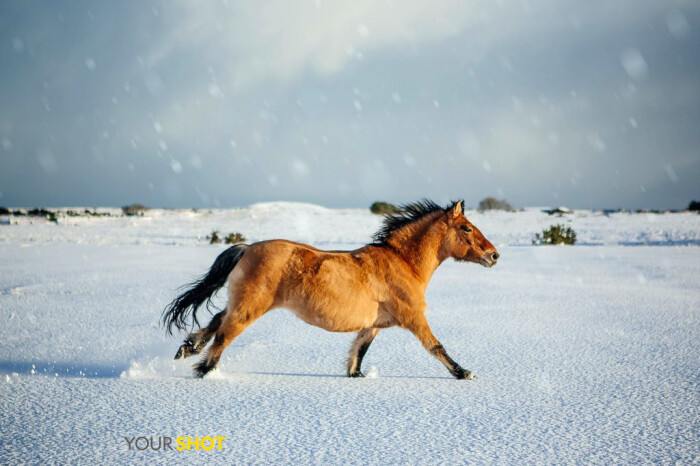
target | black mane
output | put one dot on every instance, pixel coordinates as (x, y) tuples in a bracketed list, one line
[(408, 213)]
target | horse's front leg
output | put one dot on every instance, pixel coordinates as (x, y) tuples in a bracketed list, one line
[(420, 328), (358, 349)]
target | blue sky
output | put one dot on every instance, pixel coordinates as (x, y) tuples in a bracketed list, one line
[(193, 104)]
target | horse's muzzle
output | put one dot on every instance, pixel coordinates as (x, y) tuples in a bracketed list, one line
[(489, 259)]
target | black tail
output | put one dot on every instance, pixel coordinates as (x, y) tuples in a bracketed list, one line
[(177, 313)]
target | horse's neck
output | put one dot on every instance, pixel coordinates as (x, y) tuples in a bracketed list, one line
[(421, 251)]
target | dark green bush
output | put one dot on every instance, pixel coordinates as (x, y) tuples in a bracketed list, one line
[(214, 238), (40, 212), (383, 208), (231, 238), (134, 209), (234, 238), (556, 234), (694, 206), (491, 203)]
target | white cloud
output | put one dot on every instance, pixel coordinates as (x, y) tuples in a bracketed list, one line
[(277, 39), (282, 38), (265, 45)]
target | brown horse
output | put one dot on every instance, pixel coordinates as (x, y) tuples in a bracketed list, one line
[(377, 286)]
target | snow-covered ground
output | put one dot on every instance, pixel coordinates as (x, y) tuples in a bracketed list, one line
[(585, 354)]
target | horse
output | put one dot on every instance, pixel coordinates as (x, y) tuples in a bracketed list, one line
[(378, 286)]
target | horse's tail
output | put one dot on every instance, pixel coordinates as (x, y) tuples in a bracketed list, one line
[(177, 312)]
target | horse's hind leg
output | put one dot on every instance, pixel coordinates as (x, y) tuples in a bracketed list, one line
[(358, 350), (196, 341), (233, 325)]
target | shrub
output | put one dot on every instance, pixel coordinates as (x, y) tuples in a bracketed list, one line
[(134, 209), (556, 234), (5, 211), (559, 211), (95, 213), (40, 213), (694, 206), (491, 203), (214, 238), (383, 208), (234, 238)]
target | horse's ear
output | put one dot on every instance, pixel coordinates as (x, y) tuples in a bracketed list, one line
[(457, 208)]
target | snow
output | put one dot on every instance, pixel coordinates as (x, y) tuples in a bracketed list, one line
[(678, 24), (348, 227), (584, 354), (634, 64)]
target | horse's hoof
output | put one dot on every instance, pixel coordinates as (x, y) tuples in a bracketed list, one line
[(202, 368), (356, 374), (184, 351), (463, 374)]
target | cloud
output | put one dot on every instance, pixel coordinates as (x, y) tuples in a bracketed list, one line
[(338, 102), (283, 39)]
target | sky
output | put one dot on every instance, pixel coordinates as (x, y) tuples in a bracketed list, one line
[(174, 103)]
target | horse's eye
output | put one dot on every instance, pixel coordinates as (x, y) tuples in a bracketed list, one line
[(466, 229)]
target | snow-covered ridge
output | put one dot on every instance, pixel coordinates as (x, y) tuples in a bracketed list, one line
[(310, 223)]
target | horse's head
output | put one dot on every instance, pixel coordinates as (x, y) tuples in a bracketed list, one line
[(464, 242)]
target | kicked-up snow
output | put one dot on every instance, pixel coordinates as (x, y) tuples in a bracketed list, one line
[(584, 355)]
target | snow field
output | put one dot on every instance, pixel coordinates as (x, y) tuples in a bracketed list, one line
[(584, 354)]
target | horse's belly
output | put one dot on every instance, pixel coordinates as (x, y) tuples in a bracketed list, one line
[(335, 296), (346, 319)]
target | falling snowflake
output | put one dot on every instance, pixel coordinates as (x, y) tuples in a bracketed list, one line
[(176, 166), (634, 64)]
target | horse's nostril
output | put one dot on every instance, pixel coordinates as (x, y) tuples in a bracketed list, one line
[(495, 256)]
